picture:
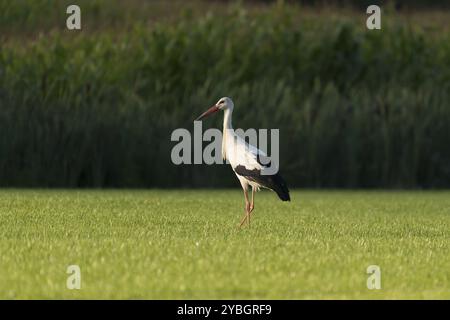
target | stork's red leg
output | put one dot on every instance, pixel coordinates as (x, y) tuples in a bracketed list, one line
[(247, 207), (252, 205)]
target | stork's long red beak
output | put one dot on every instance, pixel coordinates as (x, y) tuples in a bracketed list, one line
[(208, 112)]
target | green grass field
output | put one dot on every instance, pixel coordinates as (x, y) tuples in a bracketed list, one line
[(186, 244)]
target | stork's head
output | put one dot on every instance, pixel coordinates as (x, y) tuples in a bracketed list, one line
[(224, 103)]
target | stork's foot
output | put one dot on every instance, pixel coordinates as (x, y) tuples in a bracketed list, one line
[(243, 220), (250, 214), (248, 209)]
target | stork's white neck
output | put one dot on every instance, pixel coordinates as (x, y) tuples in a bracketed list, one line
[(227, 126), (227, 119)]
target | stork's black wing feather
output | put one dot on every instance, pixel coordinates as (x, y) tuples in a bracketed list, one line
[(274, 182)]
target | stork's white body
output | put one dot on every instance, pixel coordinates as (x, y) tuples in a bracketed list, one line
[(238, 152)]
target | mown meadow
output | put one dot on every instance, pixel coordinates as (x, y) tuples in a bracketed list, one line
[(96, 107), (175, 244)]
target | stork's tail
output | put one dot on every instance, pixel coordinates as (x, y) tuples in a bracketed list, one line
[(280, 187)]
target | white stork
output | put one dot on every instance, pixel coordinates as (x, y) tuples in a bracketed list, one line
[(245, 160)]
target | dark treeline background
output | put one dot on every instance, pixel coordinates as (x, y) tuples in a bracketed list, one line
[(397, 4), (96, 107)]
